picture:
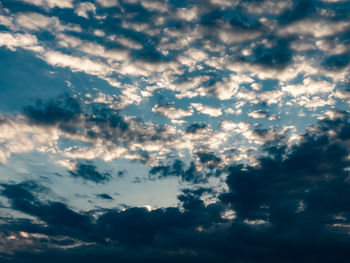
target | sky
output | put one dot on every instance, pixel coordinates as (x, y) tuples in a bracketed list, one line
[(174, 131)]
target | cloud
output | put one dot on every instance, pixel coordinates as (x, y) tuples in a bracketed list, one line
[(268, 6), (272, 53), (35, 22), (315, 28), (171, 112), (99, 131), (49, 4), (259, 114), (59, 59), (25, 41), (155, 5), (108, 3), (261, 58), (105, 196), (64, 110), (88, 172), (84, 8), (211, 111), (56, 214), (309, 87), (295, 197), (336, 62), (195, 127), (177, 169)]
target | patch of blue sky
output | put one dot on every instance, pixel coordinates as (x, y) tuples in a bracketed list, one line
[(25, 78)]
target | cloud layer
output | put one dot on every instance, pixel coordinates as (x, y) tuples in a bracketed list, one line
[(174, 131)]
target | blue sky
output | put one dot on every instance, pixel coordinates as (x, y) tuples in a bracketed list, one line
[(152, 128)]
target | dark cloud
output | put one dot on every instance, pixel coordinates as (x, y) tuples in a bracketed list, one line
[(336, 62), (276, 55), (111, 124), (60, 111), (195, 127), (56, 214), (88, 171), (209, 159), (292, 207), (105, 196), (300, 194), (178, 169), (95, 121)]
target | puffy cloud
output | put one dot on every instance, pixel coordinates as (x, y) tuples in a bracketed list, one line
[(268, 6), (88, 172), (59, 59), (36, 21), (309, 87), (315, 28), (170, 111), (84, 8), (108, 3), (155, 5), (25, 41), (259, 114), (211, 111), (230, 35), (48, 4), (18, 137)]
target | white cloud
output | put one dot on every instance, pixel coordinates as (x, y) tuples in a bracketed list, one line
[(316, 28), (93, 49), (314, 102), (84, 8), (99, 33), (86, 65), (226, 88), (258, 114), (229, 35), (225, 3), (155, 5), (108, 3), (6, 21), (268, 6), (188, 14), (68, 41), (309, 86), (331, 46), (126, 42), (204, 109), (171, 112), (48, 4), (17, 136), (271, 97), (302, 44), (35, 21), (25, 41), (332, 114)]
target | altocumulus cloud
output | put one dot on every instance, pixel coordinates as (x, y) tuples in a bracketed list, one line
[(228, 121)]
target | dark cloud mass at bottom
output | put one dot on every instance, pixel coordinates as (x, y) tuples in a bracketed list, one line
[(293, 207)]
